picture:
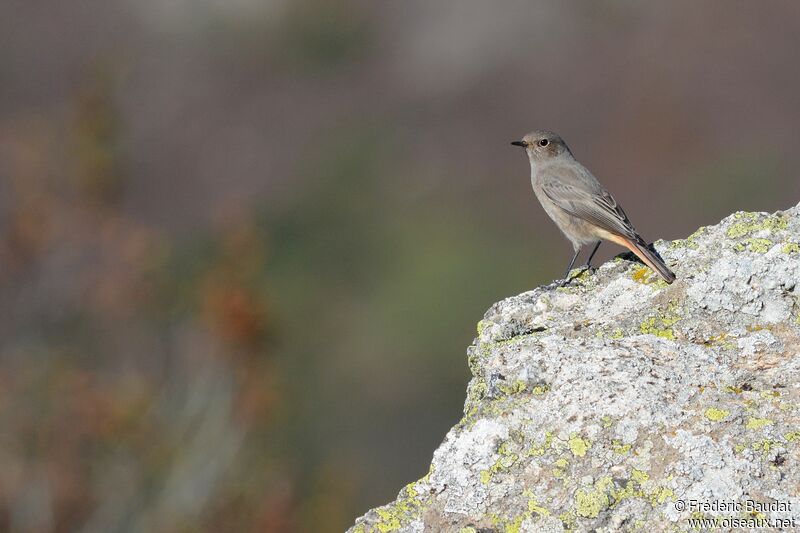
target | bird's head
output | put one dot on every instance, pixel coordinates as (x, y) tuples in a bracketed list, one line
[(543, 145)]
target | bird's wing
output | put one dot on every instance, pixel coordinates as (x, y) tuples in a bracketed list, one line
[(589, 201)]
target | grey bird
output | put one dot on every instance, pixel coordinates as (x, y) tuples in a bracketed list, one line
[(581, 208)]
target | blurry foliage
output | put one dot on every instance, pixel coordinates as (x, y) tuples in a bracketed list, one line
[(321, 34), (96, 132), (395, 272), (141, 389)]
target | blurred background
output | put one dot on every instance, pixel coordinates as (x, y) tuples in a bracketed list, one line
[(244, 243)]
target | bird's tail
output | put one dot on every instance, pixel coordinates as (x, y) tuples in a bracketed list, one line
[(642, 251)]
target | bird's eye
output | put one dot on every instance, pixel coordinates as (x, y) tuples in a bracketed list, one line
[(544, 142)]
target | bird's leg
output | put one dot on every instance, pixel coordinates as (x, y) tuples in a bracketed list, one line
[(588, 265), (569, 268)]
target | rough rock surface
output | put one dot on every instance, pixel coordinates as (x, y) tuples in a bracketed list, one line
[(613, 403)]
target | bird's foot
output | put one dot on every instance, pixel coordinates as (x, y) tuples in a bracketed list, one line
[(566, 281), (554, 285)]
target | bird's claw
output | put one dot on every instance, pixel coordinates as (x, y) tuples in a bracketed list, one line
[(566, 281)]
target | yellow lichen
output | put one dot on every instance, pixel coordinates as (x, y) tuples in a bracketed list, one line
[(395, 515), (389, 521), (750, 223), (716, 415), (620, 448), (515, 525), (661, 495), (764, 446), (660, 325), (578, 445), (760, 246), (560, 468), (641, 274), (589, 503), (717, 340), (506, 460), (568, 519), (690, 241), (616, 333), (539, 390), (604, 495), (646, 276), (758, 423), (516, 387), (652, 326), (791, 248), (639, 476), (476, 390), (534, 507), (536, 451)]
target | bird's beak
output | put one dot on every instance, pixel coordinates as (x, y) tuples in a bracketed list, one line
[(519, 143)]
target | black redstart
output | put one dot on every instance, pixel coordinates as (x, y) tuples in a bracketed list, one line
[(581, 208)]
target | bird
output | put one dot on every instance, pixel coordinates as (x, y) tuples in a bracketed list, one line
[(580, 206)]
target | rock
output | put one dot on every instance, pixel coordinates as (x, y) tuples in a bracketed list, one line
[(621, 403)]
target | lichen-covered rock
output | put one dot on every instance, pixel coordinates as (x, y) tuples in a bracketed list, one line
[(614, 403)]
